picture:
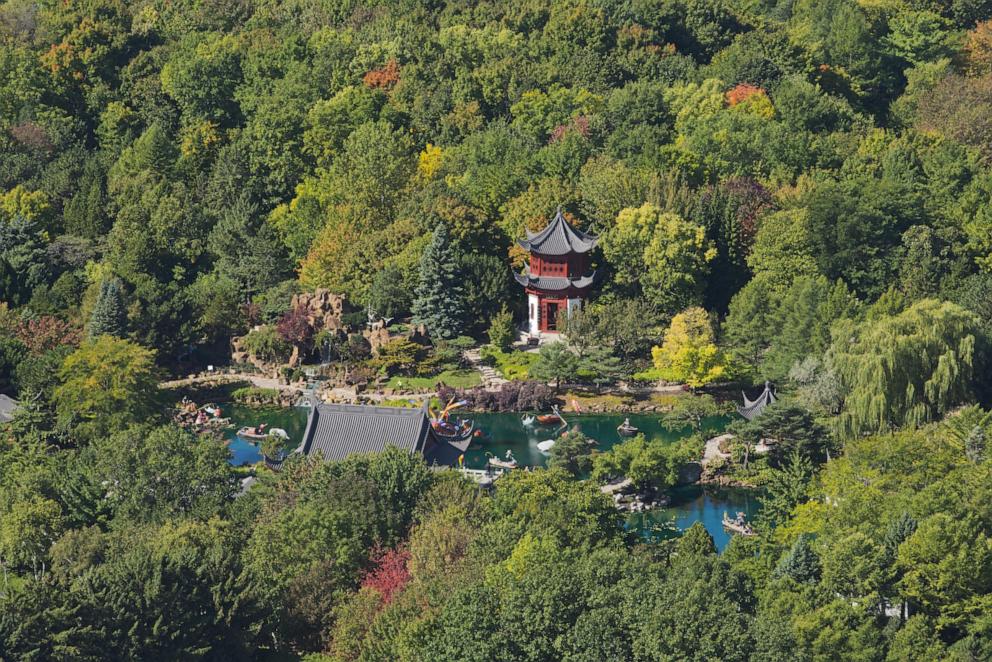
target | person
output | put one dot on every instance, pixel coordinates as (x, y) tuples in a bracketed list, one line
[(461, 460)]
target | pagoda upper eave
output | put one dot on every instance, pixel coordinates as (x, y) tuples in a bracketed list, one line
[(556, 285)]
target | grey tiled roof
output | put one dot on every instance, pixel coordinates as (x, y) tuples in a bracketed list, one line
[(559, 238), (7, 407), (337, 431), (556, 283)]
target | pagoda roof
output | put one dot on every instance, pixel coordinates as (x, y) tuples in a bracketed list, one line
[(554, 283), (337, 431), (558, 238)]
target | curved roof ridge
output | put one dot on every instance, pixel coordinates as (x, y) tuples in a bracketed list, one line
[(559, 238)]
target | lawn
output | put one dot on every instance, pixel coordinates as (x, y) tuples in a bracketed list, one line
[(452, 378)]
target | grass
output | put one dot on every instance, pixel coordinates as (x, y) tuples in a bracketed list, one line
[(511, 365), (452, 378), (255, 394)]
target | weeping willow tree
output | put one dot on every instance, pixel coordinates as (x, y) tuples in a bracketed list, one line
[(904, 369)]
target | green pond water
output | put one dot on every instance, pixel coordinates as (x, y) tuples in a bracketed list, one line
[(696, 503), (243, 451), (505, 431)]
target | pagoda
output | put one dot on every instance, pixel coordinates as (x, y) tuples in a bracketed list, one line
[(558, 277)]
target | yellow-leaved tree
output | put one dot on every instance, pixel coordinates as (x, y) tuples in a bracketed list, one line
[(689, 352)]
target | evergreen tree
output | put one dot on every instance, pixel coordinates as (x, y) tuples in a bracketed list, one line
[(83, 214), (439, 302), (800, 563), (502, 331), (109, 316), (555, 362)]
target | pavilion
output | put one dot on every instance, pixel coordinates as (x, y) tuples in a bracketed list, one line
[(558, 277), (336, 431)]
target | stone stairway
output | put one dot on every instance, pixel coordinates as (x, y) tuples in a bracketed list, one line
[(490, 378)]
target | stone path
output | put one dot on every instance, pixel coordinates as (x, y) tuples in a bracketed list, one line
[(490, 378), (713, 448), (713, 451)]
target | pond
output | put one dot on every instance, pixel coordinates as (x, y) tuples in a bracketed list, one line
[(503, 432), (696, 503), (293, 420)]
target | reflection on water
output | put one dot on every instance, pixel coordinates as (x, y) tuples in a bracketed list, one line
[(293, 420), (503, 432), (696, 503)]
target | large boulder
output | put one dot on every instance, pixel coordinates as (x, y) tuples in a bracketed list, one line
[(324, 309), (377, 335)]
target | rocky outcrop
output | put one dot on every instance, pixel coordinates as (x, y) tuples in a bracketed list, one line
[(690, 473), (377, 335), (324, 309)]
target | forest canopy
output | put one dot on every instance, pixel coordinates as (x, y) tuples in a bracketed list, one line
[(792, 191)]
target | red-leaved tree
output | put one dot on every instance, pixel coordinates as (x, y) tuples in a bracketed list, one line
[(295, 328), (389, 572), (383, 78), (742, 92), (47, 332)]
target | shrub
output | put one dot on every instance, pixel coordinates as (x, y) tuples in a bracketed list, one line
[(266, 344)]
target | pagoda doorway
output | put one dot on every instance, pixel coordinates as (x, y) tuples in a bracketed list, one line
[(550, 316)]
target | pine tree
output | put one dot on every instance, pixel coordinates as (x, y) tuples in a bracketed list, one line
[(109, 316), (83, 214), (800, 563), (440, 303)]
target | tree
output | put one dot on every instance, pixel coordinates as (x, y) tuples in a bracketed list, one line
[(555, 361), (689, 412), (947, 566), (158, 474), (802, 322), (502, 331), (786, 489), (801, 563), (572, 453), (439, 304), (789, 429), (107, 384), (109, 316), (267, 344), (695, 541), (390, 294), (689, 353), (906, 369), (749, 330), (660, 252)]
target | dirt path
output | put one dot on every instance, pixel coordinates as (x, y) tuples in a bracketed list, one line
[(220, 378)]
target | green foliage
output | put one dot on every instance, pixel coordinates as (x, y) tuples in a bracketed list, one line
[(817, 169), (801, 563), (438, 303), (689, 411), (654, 463), (106, 385), (572, 453), (109, 316), (502, 331), (155, 474), (266, 344), (661, 254), (689, 353), (555, 362), (907, 368), (255, 395)]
